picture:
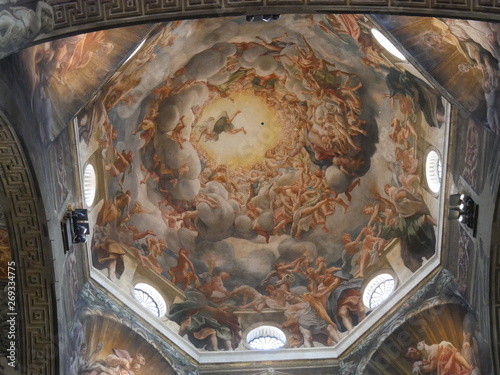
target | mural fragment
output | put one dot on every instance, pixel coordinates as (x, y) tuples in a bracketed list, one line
[(63, 74), (461, 55), (101, 345), (457, 347), (20, 25)]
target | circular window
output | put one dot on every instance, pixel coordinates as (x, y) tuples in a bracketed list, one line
[(387, 44), (150, 298), (433, 171), (378, 290), (266, 337), (89, 184)]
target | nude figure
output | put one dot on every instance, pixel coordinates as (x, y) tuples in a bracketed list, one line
[(121, 163), (180, 274), (145, 260), (176, 134), (254, 212), (321, 267), (214, 288), (164, 91), (156, 247), (122, 201), (148, 129), (170, 218), (381, 213), (371, 244), (409, 164)]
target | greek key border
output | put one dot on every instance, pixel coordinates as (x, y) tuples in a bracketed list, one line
[(36, 335), (86, 15)]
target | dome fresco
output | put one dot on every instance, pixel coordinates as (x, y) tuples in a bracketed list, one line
[(265, 167), (265, 195)]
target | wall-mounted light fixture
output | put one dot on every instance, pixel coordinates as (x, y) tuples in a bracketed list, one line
[(75, 227), (461, 207)]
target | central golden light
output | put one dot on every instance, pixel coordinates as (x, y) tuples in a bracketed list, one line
[(242, 149)]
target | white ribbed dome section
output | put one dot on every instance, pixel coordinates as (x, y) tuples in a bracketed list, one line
[(89, 185), (266, 338), (433, 171)]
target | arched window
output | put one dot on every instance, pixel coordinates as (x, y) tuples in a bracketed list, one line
[(150, 298), (266, 338), (89, 185), (378, 290), (433, 171)]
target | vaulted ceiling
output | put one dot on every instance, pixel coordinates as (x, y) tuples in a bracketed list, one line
[(262, 173), (248, 163)]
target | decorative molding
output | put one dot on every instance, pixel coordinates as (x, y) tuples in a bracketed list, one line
[(72, 16), (67, 17), (34, 278), (271, 371), (464, 263), (78, 12)]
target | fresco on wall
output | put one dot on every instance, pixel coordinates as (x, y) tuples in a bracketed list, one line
[(64, 74), (101, 345), (20, 25), (264, 167), (457, 347), (462, 55), (60, 154), (473, 159)]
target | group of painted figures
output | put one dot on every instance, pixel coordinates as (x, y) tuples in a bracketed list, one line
[(316, 165), (332, 302), (426, 358)]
